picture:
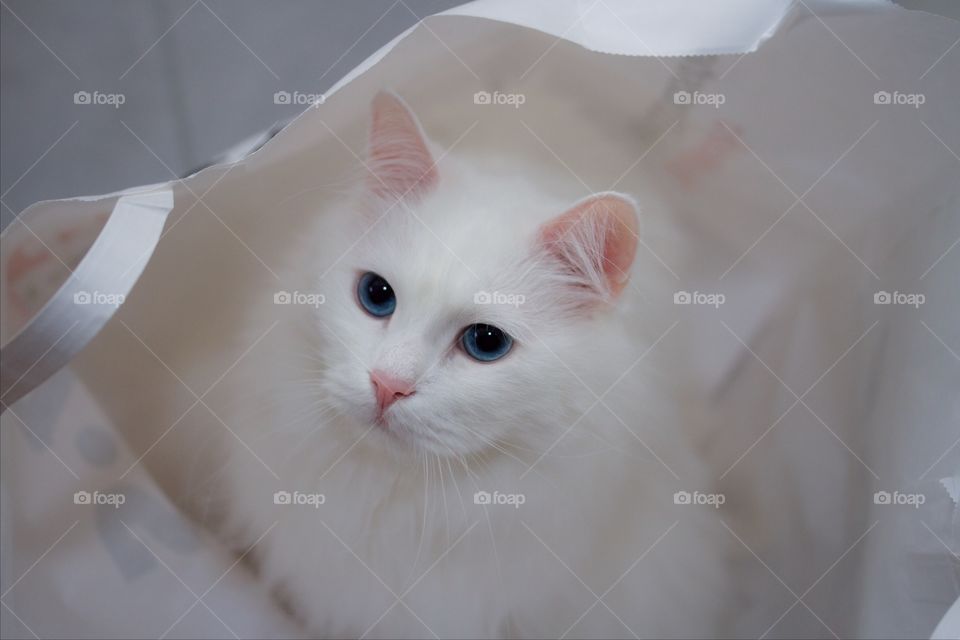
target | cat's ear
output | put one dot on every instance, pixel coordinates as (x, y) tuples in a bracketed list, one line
[(594, 244), (398, 155)]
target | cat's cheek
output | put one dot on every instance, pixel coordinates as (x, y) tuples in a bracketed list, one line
[(346, 391)]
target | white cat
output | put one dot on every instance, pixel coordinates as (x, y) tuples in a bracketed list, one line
[(462, 418)]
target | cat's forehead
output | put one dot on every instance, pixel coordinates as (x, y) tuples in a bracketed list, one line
[(446, 275), (433, 258), (458, 239)]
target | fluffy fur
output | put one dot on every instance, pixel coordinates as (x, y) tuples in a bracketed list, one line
[(569, 419)]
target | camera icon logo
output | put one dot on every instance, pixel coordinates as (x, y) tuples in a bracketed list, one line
[(81, 97), (681, 97), (82, 297), (282, 497), (881, 97), (681, 497), (882, 497), (281, 97), (482, 97), (482, 297), (881, 297), (481, 497), (282, 297), (81, 497), (682, 297)]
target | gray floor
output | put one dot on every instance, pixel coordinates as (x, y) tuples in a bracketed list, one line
[(196, 76)]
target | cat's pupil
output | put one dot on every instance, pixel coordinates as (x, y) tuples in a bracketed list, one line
[(379, 291), (488, 338)]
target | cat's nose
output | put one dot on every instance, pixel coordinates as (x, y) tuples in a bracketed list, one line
[(389, 388)]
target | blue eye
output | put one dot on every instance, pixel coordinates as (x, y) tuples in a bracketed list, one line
[(485, 342), (376, 295)]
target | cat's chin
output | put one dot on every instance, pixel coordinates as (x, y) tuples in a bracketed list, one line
[(402, 438), (406, 431)]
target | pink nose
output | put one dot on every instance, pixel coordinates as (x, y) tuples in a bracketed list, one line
[(389, 388)]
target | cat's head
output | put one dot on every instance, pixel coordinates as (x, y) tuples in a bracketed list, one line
[(460, 317)]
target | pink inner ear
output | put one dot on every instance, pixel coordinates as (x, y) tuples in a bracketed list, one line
[(597, 239), (398, 155)]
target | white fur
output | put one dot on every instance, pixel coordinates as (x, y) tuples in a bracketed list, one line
[(397, 498)]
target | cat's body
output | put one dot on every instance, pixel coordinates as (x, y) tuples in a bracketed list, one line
[(571, 423)]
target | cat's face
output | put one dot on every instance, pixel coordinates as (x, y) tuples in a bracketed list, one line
[(457, 321)]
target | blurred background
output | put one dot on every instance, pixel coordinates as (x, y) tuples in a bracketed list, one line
[(179, 81)]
